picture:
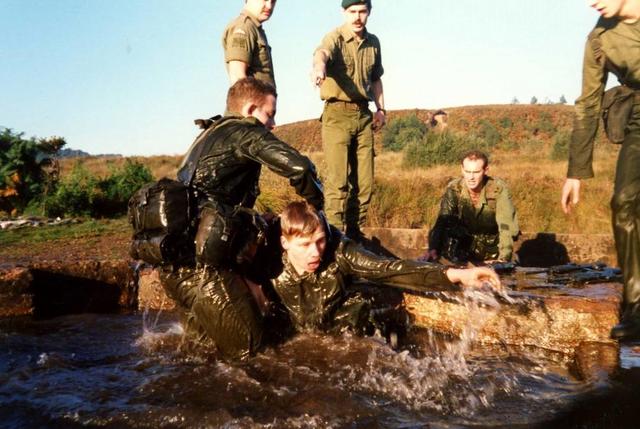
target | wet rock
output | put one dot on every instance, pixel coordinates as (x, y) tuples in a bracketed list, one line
[(559, 317), (151, 294), (16, 298)]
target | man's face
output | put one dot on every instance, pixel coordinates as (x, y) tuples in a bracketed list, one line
[(266, 113), (473, 171), (261, 9), (356, 16), (305, 252), (607, 8)]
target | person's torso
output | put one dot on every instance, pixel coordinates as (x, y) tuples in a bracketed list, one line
[(480, 219), (245, 33), (350, 71), (223, 172), (620, 47)]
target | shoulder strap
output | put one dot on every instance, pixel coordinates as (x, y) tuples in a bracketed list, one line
[(188, 166)]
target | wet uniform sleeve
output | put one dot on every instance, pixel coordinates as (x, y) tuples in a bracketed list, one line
[(585, 127), (408, 274), (284, 160), (507, 224), (448, 210)]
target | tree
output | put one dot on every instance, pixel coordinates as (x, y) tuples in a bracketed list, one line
[(562, 100), (534, 100), (27, 168), (515, 100)]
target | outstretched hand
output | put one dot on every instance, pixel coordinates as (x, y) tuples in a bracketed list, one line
[(570, 194), (476, 277)]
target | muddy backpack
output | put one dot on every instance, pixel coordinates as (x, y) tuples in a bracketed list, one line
[(163, 214)]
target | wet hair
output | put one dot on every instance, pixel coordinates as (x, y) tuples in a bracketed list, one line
[(248, 89), (299, 219), (474, 155)]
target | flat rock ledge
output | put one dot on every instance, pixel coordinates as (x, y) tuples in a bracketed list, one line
[(558, 318)]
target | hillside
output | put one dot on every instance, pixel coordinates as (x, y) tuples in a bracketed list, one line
[(523, 138)]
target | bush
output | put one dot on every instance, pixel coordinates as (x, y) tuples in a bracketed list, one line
[(437, 148), (488, 132), (560, 149), (74, 194), (403, 131), (82, 194), (115, 191)]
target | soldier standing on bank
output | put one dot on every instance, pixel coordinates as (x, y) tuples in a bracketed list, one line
[(347, 66), (613, 47), (246, 50)]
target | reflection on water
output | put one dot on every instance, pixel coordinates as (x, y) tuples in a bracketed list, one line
[(130, 371)]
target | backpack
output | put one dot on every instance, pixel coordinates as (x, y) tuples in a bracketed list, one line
[(163, 213), (160, 214)]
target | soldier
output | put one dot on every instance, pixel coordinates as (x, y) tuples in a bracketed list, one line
[(348, 68), (223, 298), (612, 47), (316, 284), (246, 50), (477, 220)]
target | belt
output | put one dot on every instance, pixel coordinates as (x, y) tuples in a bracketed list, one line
[(350, 105)]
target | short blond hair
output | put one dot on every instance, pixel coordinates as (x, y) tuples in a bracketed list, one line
[(299, 219)]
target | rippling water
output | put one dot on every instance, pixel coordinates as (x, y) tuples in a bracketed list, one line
[(136, 371)]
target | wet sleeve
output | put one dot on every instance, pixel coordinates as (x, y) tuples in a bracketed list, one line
[(405, 274), (284, 160), (239, 43), (507, 224), (585, 126)]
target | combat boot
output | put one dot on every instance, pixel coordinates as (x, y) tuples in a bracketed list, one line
[(627, 330)]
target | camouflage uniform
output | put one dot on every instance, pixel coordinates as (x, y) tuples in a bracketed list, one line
[(244, 40), (347, 134), (485, 232), (613, 47), (225, 163), (328, 299)]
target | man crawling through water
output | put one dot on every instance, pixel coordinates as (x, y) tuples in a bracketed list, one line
[(308, 276)]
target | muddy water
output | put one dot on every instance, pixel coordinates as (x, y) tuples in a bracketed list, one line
[(137, 371)]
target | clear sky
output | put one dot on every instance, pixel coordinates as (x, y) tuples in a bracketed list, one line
[(129, 76)]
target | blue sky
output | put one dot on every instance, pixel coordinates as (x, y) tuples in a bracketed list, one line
[(129, 76)]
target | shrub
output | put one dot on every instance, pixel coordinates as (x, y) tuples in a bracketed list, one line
[(403, 131), (488, 132), (82, 194), (115, 191), (437, 148), (560, 149), (74, 194)]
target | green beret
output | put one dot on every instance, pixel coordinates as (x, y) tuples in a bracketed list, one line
[(347, 3)]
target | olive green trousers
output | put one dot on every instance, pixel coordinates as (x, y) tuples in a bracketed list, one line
[(347, 140), (625, 206)]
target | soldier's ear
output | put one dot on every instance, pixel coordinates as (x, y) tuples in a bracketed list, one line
[(284, 242), (248, 108)]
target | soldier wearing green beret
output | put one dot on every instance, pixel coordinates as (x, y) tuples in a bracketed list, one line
[(246, 50), (613, 47), (347, 66)]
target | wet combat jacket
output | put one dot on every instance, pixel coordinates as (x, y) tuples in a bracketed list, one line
[(327, 298), (234, 150), (465, 232), (612, 46)]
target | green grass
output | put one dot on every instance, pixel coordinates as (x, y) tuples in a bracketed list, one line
[(83, 230)]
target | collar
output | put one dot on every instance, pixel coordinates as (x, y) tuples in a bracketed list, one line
[(483, 191), (348, 34), (253, 18)]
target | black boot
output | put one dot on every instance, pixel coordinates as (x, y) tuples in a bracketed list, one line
[(627, 330)]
